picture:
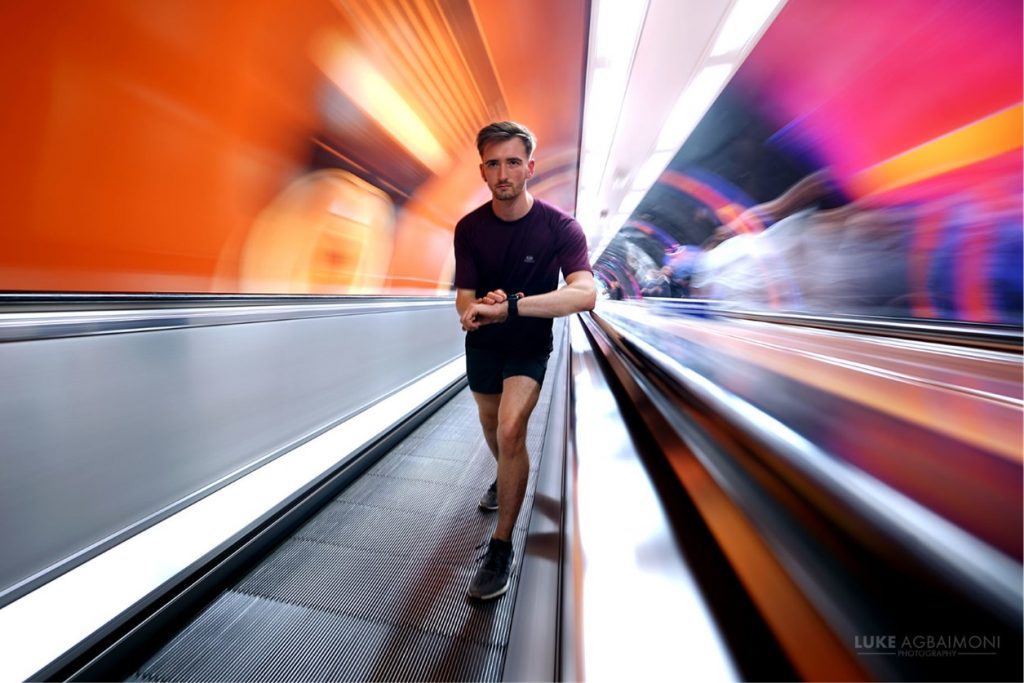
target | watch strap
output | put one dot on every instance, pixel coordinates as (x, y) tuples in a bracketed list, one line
[(513, 306)]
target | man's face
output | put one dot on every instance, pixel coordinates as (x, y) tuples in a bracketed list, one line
[(505, 168)]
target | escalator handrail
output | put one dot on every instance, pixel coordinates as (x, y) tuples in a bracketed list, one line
[(938, 542)]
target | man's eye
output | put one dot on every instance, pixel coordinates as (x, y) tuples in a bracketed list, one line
[(513, 162)]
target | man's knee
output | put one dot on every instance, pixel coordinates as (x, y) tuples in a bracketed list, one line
[(512, 436), (489, 421), (487, 409)]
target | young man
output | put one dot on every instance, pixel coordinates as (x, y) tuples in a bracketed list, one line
[(508, 253)]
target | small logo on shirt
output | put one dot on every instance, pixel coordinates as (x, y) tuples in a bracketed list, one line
[(528, 259)]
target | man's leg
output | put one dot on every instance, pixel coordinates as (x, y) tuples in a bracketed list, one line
[(518, 399), (484, 370), (487, 408)]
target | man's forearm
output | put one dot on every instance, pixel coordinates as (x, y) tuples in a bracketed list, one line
[(565, 301), (575, 297)]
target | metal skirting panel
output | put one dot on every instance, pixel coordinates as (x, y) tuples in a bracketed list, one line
[(186, 400), (373, 587)]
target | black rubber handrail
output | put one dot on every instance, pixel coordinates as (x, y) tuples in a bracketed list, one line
[(997, 337), (31, 323), (72, 301)]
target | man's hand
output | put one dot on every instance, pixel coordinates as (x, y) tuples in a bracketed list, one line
[(498, 296), (485, 310), (479, 314)]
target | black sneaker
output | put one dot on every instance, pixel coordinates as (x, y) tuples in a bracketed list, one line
[(493, 578), (490, 499)]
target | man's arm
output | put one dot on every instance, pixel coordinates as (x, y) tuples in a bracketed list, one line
[(579, 294)]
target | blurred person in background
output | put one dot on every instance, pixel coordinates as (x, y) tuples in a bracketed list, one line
[(655, 282), (508, 253), (850, 259), (680, 263), (807, 192), (615, 291)]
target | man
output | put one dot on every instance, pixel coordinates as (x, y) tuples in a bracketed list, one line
[(508, 253)]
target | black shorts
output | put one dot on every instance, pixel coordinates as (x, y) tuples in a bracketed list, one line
[(487, 369)]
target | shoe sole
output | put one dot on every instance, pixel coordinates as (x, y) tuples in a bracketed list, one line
[(485, 507), (490, 596)]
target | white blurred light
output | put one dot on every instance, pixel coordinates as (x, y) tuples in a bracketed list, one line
[(590, 172), (745, 21), (605, 88), (601, 246), (692, 105), (652, 169), (359, 79), (630, 201), (618, 25), (613, 42)]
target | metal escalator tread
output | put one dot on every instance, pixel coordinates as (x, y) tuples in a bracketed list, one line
[(373, 587)]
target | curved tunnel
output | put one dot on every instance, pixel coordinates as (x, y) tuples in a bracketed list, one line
[(235, 435)]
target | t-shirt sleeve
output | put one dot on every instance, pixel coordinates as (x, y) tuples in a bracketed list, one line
[(573, 249), (465, 267)]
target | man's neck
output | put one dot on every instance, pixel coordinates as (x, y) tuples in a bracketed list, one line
[(515, 209)]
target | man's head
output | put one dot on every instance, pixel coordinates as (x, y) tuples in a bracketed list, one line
[(506, 162), (500, 131)]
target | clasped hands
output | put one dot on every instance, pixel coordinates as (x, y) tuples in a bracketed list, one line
[(485, 311)]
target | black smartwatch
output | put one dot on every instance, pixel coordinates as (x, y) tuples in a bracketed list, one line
[(513, 306)]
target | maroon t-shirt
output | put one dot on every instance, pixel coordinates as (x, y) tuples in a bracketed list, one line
[(523, 255)]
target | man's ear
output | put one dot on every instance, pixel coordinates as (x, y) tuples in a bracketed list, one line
[(529, 169), (482, 174)]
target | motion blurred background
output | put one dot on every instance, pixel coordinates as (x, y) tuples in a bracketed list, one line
[(865, 158), (267, 146)]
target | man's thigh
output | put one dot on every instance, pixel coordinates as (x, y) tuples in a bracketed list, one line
[(487, 407)]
